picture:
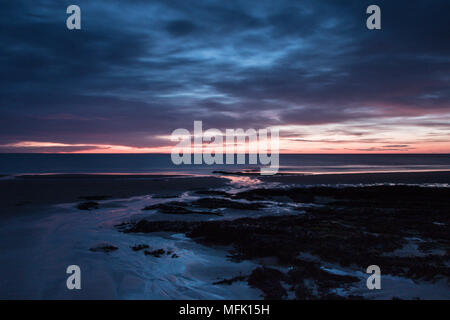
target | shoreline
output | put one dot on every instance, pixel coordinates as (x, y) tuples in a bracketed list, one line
[(47, 189)]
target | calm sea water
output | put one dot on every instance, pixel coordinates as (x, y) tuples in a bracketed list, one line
[(161, 163)]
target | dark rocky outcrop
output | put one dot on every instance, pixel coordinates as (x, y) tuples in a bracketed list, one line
[(103, 247), (139, 247), (156, 253), (269, 282), (357, 227), (231, 280)]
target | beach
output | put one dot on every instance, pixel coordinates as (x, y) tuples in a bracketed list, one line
[(28, 190), (225, 150), (226, 236)]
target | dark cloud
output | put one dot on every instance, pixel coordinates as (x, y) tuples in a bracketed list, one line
[(180, 27), (139, 69)]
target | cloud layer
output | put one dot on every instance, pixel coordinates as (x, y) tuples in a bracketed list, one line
[(140, 69)]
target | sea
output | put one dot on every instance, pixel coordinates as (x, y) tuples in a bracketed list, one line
[(18, 164)]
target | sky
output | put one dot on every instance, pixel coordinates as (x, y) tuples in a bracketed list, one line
[(137, 70)]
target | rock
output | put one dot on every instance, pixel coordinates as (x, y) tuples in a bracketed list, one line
[(359, 224), (268, 281), (302, 292), (322, 280), (139, 247), (156, 253), (231, 280), (103, 247)]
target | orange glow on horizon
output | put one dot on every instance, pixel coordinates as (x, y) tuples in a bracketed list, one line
[(286, 147)]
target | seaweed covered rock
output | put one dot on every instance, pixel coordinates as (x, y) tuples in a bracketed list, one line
[(268, 280), (139, 247)]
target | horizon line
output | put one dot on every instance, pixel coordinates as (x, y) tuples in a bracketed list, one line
[(285, 153)]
